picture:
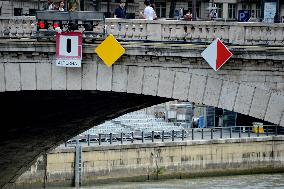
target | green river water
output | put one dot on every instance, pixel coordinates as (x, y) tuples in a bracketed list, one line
[(261, 181)]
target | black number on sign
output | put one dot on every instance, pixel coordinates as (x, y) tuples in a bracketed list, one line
[(69, 45)]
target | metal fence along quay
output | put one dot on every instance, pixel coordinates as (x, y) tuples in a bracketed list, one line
[(175, 135)]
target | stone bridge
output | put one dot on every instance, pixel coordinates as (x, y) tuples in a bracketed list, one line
[(44, 105)]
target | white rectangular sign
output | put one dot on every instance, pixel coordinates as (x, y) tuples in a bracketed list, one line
[(68, 63), (69, 49)]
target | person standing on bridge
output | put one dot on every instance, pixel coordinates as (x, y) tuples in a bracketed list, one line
[(120, 11), (149, 13), (61, 6)]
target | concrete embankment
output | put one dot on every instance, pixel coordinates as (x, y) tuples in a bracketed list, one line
[(140, 162)]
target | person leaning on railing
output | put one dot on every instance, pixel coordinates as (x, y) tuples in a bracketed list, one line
[(72, 5), (149, 13), (187, 16), (120, 10)]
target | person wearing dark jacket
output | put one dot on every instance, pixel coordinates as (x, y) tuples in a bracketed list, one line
[(120, 11)]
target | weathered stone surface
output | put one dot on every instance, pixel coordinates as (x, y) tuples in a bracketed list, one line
[(166, 83), (104, 78), (2, 78), (119, 80), (218, 157), (275, 109), (154, 32), (58, 78), (135, 79), (28, 76), (244, 98), (259, 103), (43, 76), (196, 88), (228, 95), (74, 79), (12, 76), (212, 92), (282, 120), (89, 76), (181, 85), (150, 81)]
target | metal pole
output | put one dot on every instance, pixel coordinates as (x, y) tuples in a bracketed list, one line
[(152, 136), (173, 135), (182, 135), (202, 136), (142, 135), (221, 134), (211, 133), (110, 138), (77, 164), (100, 139), (276, 130), (163, 136), (258, 131), (89, 140), (231, 132), (38, 5), (132, 137), (194, 11), (248, 131), (278, 11), (108, 9), (121, 137), (192, 134), (240, 132), (266, 130)]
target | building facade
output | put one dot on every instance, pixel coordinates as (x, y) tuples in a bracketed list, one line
[(225, 9)]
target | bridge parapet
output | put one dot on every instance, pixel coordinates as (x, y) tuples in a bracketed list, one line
[(235, 33)]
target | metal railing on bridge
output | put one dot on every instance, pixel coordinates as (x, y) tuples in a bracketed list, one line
[(192, 134), (202, 32)]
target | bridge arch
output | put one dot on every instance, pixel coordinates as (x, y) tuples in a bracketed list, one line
[(174, 83)]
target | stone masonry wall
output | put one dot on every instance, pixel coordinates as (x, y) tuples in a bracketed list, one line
[(163, 160)]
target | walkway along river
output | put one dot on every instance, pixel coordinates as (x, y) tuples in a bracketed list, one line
[(152, 161)]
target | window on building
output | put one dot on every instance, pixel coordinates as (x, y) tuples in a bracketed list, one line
[(198, 5), (32, 12), (246, 7), (160, 9), (18, 11), (219, 10), (232, 9)]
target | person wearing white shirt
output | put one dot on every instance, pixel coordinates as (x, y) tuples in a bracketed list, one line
[(149, 13)]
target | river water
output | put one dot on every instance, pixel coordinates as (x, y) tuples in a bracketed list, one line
[(261, 181)]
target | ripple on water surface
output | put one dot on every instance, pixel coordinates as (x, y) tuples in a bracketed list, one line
[(262, 181)]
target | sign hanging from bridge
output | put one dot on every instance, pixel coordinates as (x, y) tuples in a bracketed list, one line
[(216, 54), (69, 49), (110, 50)]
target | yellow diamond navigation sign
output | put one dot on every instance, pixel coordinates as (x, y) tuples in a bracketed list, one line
[(110, 50)]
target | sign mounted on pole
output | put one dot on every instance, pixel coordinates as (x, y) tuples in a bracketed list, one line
[(216, 54), (69, 49)]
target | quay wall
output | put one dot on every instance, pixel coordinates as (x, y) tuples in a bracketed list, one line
[(142, 162)]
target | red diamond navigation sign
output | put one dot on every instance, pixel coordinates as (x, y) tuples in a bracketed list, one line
[(216, 54)]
